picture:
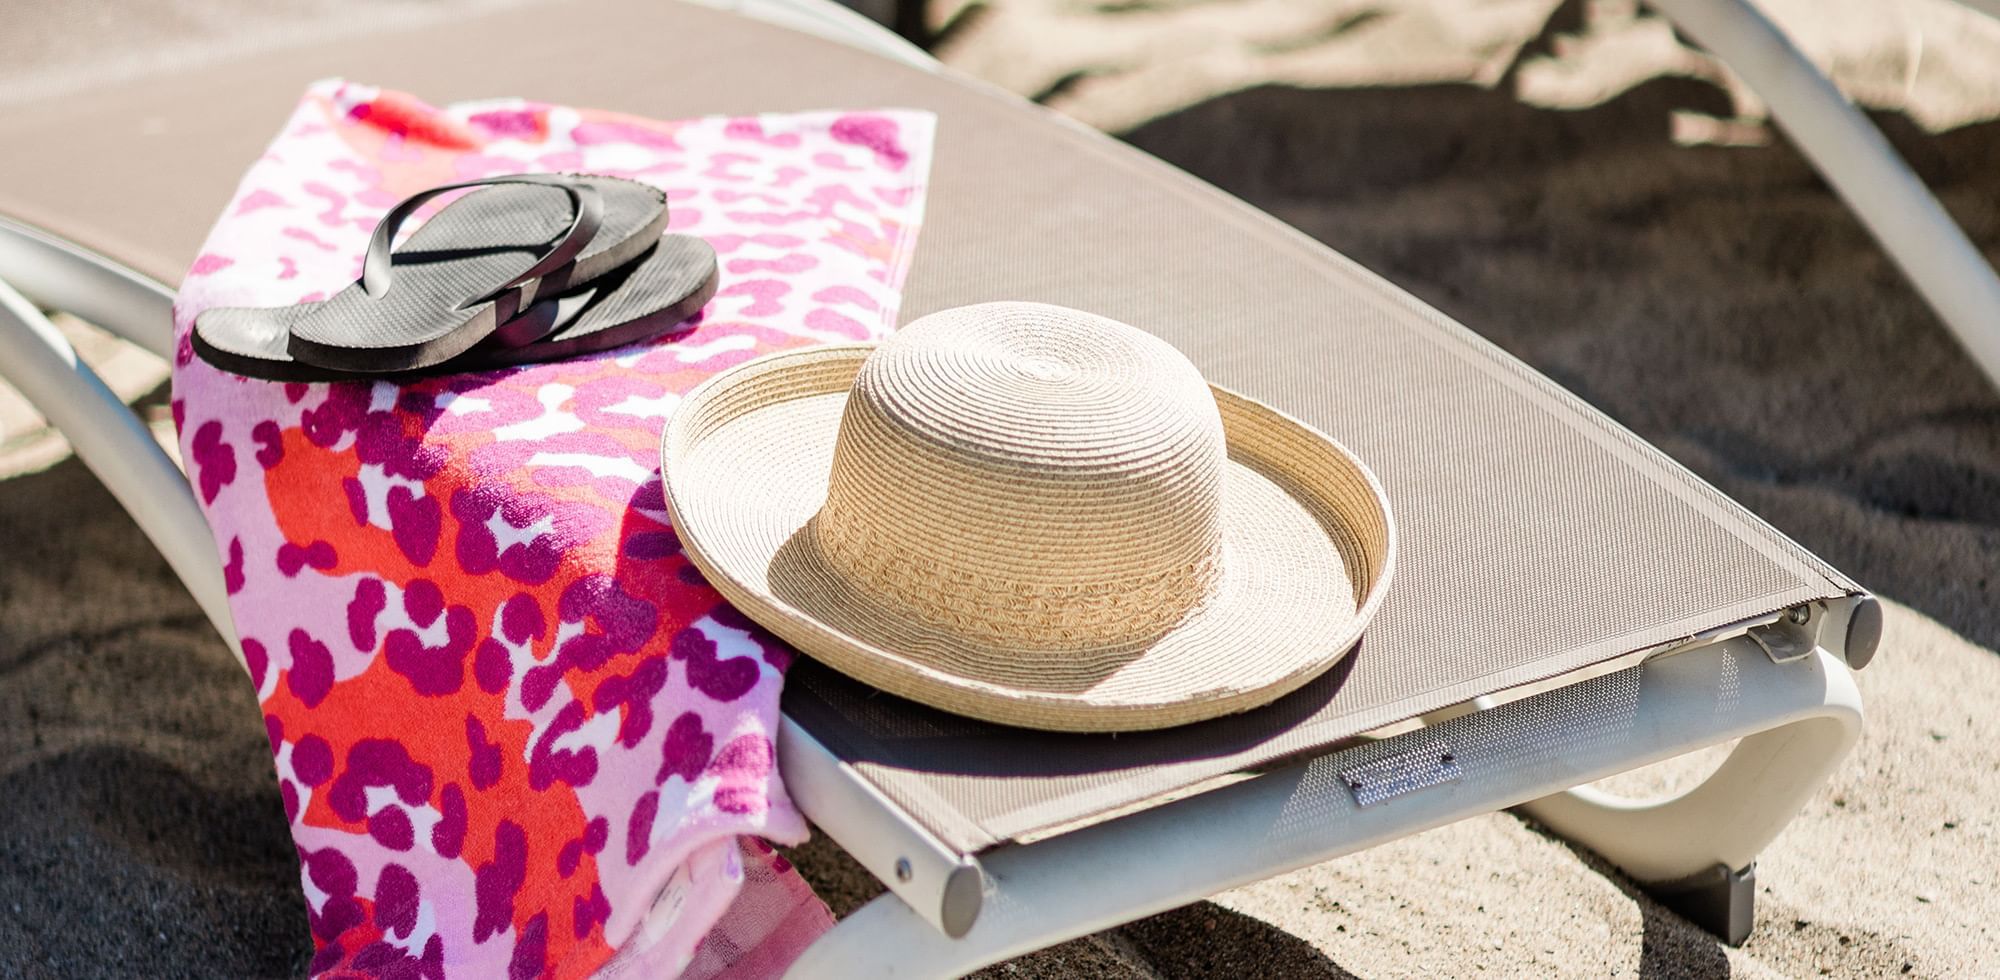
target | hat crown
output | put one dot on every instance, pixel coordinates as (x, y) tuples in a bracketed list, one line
[(1029, 476)]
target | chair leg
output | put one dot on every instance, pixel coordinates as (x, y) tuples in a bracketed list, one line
[(57, 274), (1722, 901), (1796, 720), (1854, 157), (1696, 851), (36, 359)]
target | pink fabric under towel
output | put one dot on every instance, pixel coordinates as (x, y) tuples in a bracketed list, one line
[(514, 730)]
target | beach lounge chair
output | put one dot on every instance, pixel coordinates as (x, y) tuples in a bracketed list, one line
[(1570, 603)]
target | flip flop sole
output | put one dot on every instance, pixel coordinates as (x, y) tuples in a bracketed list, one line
[(635, 216), (451, 279), (253, 341), (660, 292), (646, 298)]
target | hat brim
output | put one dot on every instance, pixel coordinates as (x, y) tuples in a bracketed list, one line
[(1308, 548)]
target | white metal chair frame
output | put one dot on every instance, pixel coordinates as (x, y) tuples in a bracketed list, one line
[(1796, 709)]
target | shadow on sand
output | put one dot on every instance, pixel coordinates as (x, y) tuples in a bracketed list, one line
[(1721, 302)]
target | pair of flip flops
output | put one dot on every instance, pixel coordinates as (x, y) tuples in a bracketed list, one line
[(523, 268)]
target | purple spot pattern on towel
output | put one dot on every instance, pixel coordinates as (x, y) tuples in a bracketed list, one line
[(292, 558), (492, 666), (324, 424), (597, 133), (531, 952), (357, 499), (725, 167), (634, 693), (335, 202), (370, 598), (378, 762), (497, 882), (312, 760), (208, 264), (639, 829), (878, 133), (796, 262), (595, 835), (414, 521), (396, 894), (257, 660), (615, 623), (775, 652), (432, 671), (232, 573), (835, 323), (448, 835), (591, 911), (311, 239), (214, 461), (486, 760), (722, 679), (333, 874), (521, 619), (847, 295), (478, 551), (753, 130), (311, 676), (270, 443), (764, 295), (511, 525), (509, 124), (652, 545), (548, 765), (258, 200), (390, 827), (423, 601), (685, 750), (741, 769)]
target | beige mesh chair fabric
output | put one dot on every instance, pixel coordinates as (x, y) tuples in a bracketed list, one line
[(1031, 515), (1578, 543)]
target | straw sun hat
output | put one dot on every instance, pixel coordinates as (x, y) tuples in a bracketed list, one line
[(1030, 515)]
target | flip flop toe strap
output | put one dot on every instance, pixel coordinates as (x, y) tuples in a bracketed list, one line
[(587, 215)]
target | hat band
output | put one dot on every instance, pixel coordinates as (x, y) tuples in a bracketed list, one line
[(993, 611)]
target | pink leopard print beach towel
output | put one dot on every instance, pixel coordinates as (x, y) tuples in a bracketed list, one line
[(514, 730)]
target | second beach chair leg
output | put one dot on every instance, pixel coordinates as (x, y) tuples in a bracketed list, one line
[(1857, 160), (1696, 851)]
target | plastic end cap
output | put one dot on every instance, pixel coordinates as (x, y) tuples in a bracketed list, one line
[(1864, 632)]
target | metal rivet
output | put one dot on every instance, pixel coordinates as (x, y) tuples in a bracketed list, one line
[(1799, 615), (903, 869)]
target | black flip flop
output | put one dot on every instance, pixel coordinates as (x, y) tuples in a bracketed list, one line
[(643, 299), (650, 297), (473, 266), (254, 341)]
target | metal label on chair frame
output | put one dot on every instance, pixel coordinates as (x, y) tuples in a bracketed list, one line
[(1405, 772)]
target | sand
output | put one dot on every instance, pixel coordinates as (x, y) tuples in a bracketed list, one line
[(1525, 166)]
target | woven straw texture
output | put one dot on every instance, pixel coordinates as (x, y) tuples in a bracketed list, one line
[(1030, 515)]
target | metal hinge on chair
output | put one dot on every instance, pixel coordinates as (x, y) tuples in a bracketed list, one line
[(1793, 636)]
